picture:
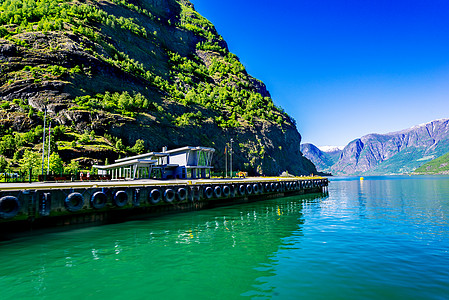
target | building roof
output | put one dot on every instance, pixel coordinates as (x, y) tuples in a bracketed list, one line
[(167, 153), (183, 149), (151, 154), (145, 159), (140, 162)]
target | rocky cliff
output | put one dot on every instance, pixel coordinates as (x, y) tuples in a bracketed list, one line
[(112, 73), (394, 153), (323, 160)]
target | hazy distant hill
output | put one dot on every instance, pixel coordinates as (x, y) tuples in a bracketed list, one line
[(323, 159), (394, 153)]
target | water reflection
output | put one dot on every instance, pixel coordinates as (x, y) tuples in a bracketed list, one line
[(193, 252), (372, 239), (378, 238)]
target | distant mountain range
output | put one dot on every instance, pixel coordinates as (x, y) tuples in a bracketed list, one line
[(399, 152), (322, 157)]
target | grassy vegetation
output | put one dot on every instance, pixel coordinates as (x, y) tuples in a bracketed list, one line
[(123, 103), (47, 15), (223, 86), (439, 165)]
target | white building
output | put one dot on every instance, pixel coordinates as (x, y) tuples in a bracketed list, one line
[(182, 163)]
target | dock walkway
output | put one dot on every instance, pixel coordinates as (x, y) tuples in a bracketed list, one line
[(25, 206)]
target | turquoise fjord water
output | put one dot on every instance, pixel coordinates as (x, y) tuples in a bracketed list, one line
[(381, 238)]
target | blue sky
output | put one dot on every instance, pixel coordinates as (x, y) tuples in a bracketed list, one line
[(343, 69)]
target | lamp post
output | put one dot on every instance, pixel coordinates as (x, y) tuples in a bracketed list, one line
[(43, 141), (226, 161), (49, 146), (230, 160)]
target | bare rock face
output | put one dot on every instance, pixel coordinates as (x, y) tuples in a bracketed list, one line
[(260, 87), (7, 50)]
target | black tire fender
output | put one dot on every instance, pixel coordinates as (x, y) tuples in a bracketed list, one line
[(242, 189), (256, 188), (9, 207), (181, 194), (74, 202), (249, 189), (217, 191), (120, 198), (155, 196), (226, 191), (169, 195), (208, 192), (98, 200)]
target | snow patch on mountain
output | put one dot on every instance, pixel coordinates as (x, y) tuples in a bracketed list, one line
[(330, 148)]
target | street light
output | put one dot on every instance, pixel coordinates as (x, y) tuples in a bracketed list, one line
[(230, 160), (43, 141), (226, 160)]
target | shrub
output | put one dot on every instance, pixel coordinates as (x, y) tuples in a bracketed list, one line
[(5, 105), (139, 147), (3, 164), (30, 160), (8, 145)]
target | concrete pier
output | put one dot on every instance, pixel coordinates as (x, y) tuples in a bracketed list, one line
[(25, 207)]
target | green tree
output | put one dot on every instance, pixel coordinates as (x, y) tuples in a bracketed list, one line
[(72, 167), (119, 145), (8, 145), (92, 135), (56, 163), (85, 137), (16, 156), (139, 147), (3, 164), (124, 101), (30, 160), (58, 132)]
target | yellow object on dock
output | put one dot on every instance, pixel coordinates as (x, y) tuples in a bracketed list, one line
[(242, 174), (361, 178)]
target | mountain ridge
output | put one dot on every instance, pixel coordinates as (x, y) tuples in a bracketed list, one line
[(395, 152), (322, 159), (399, 152)]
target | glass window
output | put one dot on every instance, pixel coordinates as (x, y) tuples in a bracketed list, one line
[(202, 158)]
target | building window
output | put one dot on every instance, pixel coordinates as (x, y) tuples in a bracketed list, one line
[(202, 158)]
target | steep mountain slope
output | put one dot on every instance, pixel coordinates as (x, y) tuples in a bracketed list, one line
[(438, 165), (394, 153), (323, 160), (113, 72)]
